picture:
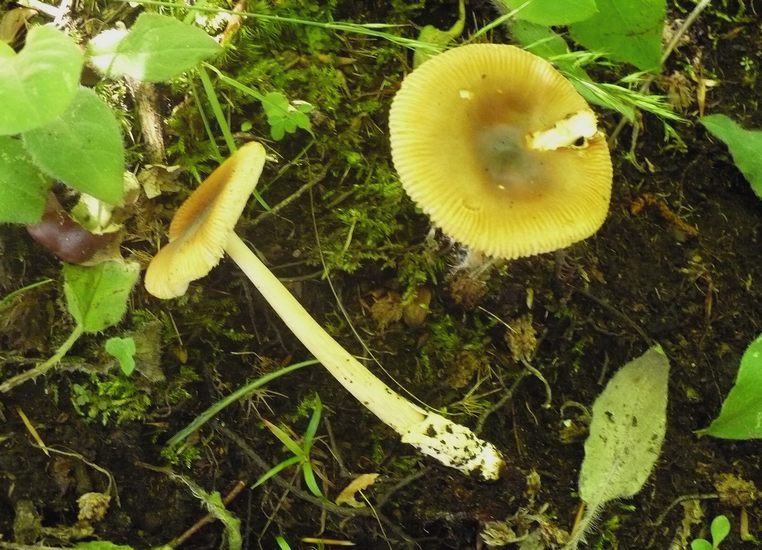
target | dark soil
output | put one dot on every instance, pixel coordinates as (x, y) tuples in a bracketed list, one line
[(644, 277)]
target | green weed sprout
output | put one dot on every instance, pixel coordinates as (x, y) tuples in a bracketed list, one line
[(96, 297), (301, 451), (719, 529), (202, 231)]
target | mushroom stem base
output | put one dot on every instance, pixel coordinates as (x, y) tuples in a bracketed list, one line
[(450, 443)]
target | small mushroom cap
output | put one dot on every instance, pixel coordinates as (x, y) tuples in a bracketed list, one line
[(501, 152), (200, 228)]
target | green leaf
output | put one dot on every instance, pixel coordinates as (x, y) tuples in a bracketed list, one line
[(720, 529), (701, 544), (156, 48), (83, 148), (23, 188), (741, 413), (553, 12), (38, 83), (627, 430), (97, 296), (744, 145), (437, 39), (625, 30), (284, 117), (123, 349), (546, 43)]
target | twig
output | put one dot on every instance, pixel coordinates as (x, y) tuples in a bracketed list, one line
[(111, 489), (208, 518), (500, 402), (44, 367), (295, 195), (683, 498), (537, 374), (611, 309)]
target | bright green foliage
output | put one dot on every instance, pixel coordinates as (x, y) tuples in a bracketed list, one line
[(83, 148), (110, 399), (156, 48), (38, 83), (719, 529), (626, 434), (123, 349), (625, 30), (284, 117), (741, 414), (97, 296), (553, 12), (439, 38), (23, 187), (240, 394), (744, 145), (301, 451)]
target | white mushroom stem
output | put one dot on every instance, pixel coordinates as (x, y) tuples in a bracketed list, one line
[(450, 443)]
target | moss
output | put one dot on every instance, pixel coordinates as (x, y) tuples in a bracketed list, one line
[(110, 399), (454, 351)]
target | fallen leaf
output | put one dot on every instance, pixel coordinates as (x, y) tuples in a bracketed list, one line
[(347, 495)]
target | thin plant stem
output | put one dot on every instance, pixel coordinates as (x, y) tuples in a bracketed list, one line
[(207, 126), (367, 29), (7, 299), (240, 393), (222, 122), (214, 103), (44, 367), (499, 21)]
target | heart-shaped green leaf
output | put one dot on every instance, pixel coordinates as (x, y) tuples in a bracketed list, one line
[(156, 48), (96, 296), (123, 349), (552, 12), (23, 187), (83, 148), (625, 30), (38, 83)]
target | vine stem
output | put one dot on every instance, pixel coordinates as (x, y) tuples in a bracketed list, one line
[(44, 367)]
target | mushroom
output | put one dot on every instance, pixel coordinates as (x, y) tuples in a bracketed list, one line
[(501, 152), (202, 230)]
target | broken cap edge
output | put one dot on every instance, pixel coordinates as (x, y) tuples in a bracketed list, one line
[(475, 220), (202, 225)]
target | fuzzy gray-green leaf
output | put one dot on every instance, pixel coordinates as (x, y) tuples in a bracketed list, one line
[(627, 430)]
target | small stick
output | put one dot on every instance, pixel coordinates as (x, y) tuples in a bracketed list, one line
[(208, 518), (32, 430)]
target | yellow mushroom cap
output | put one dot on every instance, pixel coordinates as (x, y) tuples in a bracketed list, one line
[(501, 152), (201, 226)]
